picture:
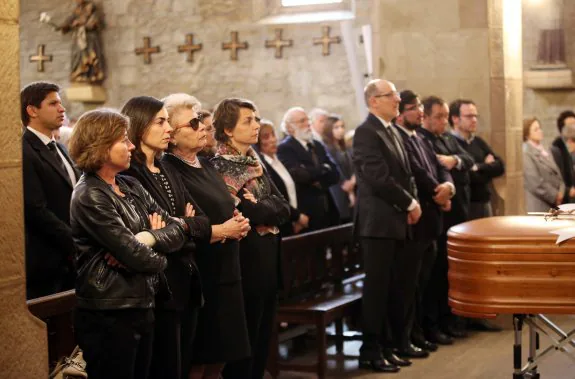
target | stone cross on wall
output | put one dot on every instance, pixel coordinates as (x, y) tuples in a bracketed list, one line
[(189, 48), (234, 46), (147, 50), (326, 40), (40, 58), (278, 43)]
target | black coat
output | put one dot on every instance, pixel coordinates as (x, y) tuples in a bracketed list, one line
[(565, 163), (446, 144), (286, 229), (47, 192), (430, 224), (312, 181), (103, 222), (182, 273), (386, 187)]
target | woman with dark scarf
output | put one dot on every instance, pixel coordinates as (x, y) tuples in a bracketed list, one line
[(221, 332), (237, 129), (175, 319)]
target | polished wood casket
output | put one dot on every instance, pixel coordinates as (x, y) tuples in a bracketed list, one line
[(511, 265)]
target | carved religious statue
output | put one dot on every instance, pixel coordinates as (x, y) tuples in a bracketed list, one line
[(87, 61)]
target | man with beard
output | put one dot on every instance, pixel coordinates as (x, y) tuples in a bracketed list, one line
[(434, 189), (310, 166)]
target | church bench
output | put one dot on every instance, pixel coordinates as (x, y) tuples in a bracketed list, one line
[(321, 271), (57, 311)]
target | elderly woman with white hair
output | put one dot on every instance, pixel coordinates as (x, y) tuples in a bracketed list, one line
[(221, 335)]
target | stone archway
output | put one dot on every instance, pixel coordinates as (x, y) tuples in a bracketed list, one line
[(23, 346)]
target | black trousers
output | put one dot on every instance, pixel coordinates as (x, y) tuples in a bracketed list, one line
[(260, 316), (117, 344), (379, 256), (427, 263), (174, 333), (405, 280), (437, 312)]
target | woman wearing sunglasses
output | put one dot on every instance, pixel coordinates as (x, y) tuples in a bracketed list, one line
[(175, 316), (222, 332)]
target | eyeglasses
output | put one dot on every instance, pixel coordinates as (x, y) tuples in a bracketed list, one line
[(470, 116), (194, 123), (389, 94)]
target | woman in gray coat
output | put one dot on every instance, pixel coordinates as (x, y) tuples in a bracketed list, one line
[(543, 184)]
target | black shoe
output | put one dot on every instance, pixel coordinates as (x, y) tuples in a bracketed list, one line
[(438, 337), (424, 344), (378, 365), (455, 332), (483, 325), (412, 351), (394, 359)]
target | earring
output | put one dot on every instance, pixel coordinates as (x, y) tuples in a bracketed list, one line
[(175, 143)]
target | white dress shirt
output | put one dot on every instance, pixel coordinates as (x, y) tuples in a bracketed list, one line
[(283, 173), (46, 140)]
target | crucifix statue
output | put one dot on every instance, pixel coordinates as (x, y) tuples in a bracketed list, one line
[(278, 43), (147, 50), (234, 46), (325, 40), (40, 58), (189, 47)]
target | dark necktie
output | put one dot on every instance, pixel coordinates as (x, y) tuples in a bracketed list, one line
[(311, 149), (421, 153), (52, 147), (398, 149)]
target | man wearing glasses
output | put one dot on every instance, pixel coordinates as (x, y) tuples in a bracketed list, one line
[(387, 208)]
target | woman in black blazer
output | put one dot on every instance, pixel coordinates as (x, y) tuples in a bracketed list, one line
[(267, 147)]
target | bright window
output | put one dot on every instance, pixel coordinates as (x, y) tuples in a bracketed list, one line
[(295, 3)]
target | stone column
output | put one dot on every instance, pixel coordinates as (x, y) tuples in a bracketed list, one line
[(23, 346), (506, 98)]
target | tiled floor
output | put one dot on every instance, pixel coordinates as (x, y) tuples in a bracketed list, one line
[(480, 356)]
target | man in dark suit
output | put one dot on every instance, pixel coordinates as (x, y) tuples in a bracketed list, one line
[(49, 177), (310, 166), (387, 206), (454, 158), (434, 189), (562, 156)]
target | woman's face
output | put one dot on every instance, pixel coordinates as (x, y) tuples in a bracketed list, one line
[(120, 153), (246, 131), (158, 133), (209, 124), (535, 132), (338, 130), (184, 137), (268, 141)]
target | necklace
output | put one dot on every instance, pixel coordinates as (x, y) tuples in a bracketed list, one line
[(195, 163)]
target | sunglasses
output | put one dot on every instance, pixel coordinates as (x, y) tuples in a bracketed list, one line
[(194, 123)]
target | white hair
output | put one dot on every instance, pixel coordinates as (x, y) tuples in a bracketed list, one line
[(177, 101), (316, 112), (286, 119)]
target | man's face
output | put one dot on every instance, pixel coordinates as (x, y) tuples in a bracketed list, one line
[(50, 114), (299, 123), (413, 115), (467, 118), (319, 123), (385, 103), (569, 121), (437, 120)]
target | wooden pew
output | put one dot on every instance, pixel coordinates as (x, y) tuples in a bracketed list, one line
[(320, 270), (57, 311)]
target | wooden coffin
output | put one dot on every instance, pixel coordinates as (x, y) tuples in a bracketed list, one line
[(510, 265)]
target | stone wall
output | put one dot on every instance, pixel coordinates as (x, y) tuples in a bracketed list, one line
[(547, 104), (302, 77), (23, 345)]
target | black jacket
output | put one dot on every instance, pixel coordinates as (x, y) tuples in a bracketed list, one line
[(385, 183), (47, 192), (103, 222), (565, 163), (182, 272)]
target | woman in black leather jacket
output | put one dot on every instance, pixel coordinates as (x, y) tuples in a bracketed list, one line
[(175, 320), (122, 237)]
